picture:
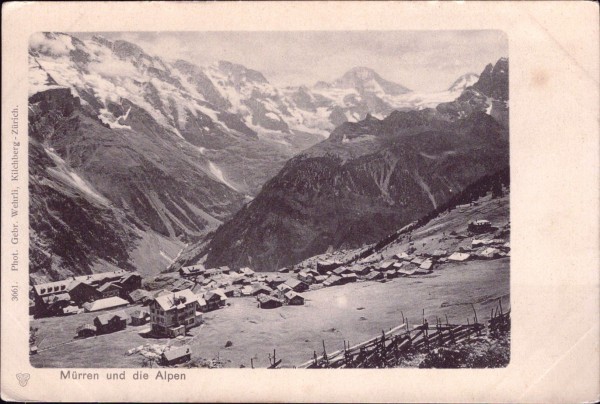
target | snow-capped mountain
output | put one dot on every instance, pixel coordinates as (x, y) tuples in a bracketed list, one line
[(132, 155), (361, 91)]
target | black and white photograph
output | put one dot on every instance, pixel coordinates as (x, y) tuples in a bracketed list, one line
[(269, 199), (308, 201)]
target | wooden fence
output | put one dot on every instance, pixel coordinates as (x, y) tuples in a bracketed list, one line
[(397, 344)]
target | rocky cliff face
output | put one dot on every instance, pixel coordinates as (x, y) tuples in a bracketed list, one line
[(98, 193)]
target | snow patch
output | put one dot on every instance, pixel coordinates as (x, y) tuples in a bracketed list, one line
[(63, 171), (106, 117), (216, 171), (165, 256), (272, 116)]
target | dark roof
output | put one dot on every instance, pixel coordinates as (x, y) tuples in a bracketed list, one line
[(105, 318)]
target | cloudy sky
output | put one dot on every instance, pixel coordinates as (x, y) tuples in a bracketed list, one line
[(419, 60)]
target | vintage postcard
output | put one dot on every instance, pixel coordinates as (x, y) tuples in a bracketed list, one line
[(321, 201)]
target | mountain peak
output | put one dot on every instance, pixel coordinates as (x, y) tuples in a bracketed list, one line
[(363, 73), (240, 72), (366, 80), (493, 81), (464, 81)]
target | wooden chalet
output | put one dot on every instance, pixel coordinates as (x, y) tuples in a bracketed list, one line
[(105, 304), (333, 280), (202, 305), (341, 271), (426, 265), (247, 271), (321, 278), (458, 256), (175, 356), (297, 285), (360, 270), (275, 281), (81, 292), (140, 296), (261, 289), (306, 277), (110, 322), (293, 299), (215, 299), (109, 289), (479, 226), (191, 271), (324, 266), (140, 317), (86, 331), (268, 302)]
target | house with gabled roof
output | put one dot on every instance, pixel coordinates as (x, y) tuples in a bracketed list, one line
[(342, 270), (110, 322), (333, 280), (112, 302), (81, 292), (268, 302), (173, 314), (176, 355), (274, 281), (323, 266), (215, 299), (261, 289), (297, 285), (191, 271), (109, 289), (140, 317), (293, 299)]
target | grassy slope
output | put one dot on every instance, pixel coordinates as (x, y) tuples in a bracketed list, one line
[(330, 314)]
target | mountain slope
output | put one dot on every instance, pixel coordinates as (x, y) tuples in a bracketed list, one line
[(361, 91), (366, 180), (123, 183), (230, 113)]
